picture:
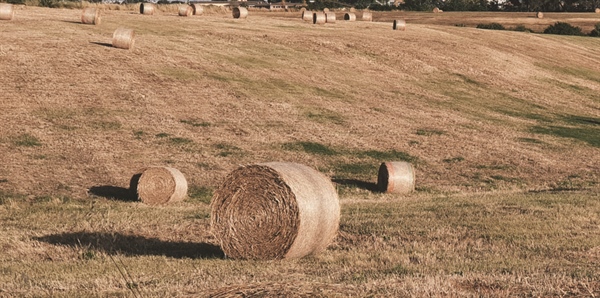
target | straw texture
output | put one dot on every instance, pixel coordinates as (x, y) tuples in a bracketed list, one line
[(240, 12), (123, 38), (350, 16), (319, 18), (159, 185), (396, 177), (198, 9), (7, 12), (399, 25), (330, 17), (185, 11), (367, 16), (147, 8), (273, 211), (90, 16), (307, 15)]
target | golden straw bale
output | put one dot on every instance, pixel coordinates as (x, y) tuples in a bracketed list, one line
[(350, 16), (367, 16), (307, 15), (90, 16), (399, 25), (147, 8), (7, 11), (319, 18), (198, 9), (123, 38), (159, 185), (240, 12), (597, 10), (396, 177), (185, 11), (539, 15)]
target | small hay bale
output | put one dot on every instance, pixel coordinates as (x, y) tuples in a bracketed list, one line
[(436, 10), (90, 16), (159, 185), (147, 8), (350, 16), (185, 11), (539, 15), (367, 16), (198, 9), (330, 17), (240, 12), (319, 18), (597, 10), (274, 211), (352, 9), (7, 11), (399, 25), (123, 38), (325, 10), (396, 177), (307, 15)]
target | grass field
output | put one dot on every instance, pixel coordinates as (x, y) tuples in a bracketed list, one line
[(503, 128)]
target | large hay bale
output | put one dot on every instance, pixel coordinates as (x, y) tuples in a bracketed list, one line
[(159, 185), (319, 18), (147, 8), (330, 17), (90, 16), (123, 38), (198, 9), (185, 11), (539, 15), (350, 16), (7, 11), (307, 15), (240, 12), (273, 211), (367, 16), (399, 25), (396, 177)]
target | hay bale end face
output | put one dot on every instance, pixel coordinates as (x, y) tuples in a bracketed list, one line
[(597, 10), (367, 16), (330, 17), (7, 12), (159, 185), (147, 8), (399, 25), (396, 177), (319, 18), (240, 12), (90, 16), (274, 211), (185, 11), (539, 15), (123, 38), (350, 16), (198, 9), (307, 15)]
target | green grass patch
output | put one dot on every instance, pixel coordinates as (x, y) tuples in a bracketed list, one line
[(355, 170), (180, 141), (322, 115), (309, 147), (180, 74), (195, 123), (429, 132), (391, 155), (201, 194), (590, 135), (162, 135), (454, 159), (26, 140), (227, 150)]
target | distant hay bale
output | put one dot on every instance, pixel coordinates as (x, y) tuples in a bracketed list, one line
[(198, 9), (7, 12), (352, 9), (350, 16), (436, 10), (597, 10), (539, 15), (159, 185), (399, 25), (319, 18), (123, 38), (185, 11), (240, 12), (330, 17), (325, 10), (396, 177), (147, 8), (273, 211), (367, 16), (307, 15), (90, 16)]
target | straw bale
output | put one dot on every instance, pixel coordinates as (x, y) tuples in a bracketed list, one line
[(597, 10), (325, 10), (240, 12), (399, 25), (123, 38), (396, 177), (198, 9), (7, 11), (147, 8), (307, 15), (273, 211), (159, 185), (185, 11), (436, 10), (367, 16), (330, 17), (350, 16), (319, 18), (539, 15), (90, 15)]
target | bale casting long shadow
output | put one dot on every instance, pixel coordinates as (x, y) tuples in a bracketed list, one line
[(358, 183), (114, 193), (132, 245)]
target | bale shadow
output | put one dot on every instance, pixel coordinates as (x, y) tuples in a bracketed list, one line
[(72, 22), (102, 44), (133, 245), (114, 193), (358, 183)]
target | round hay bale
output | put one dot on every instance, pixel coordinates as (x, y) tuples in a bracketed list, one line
[(436, 10), (367, 16), (159, 185), (319, 18), (352, 9), (307, 15), (90, 16), (185, 11), (325, 10), (198, 9), (597, 10), (539, 15), (330, 17), (7, 12), (399, 25), (240, 12), (123, 38), (396, 177), (274, 211), (350, 16), (147, 8)]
